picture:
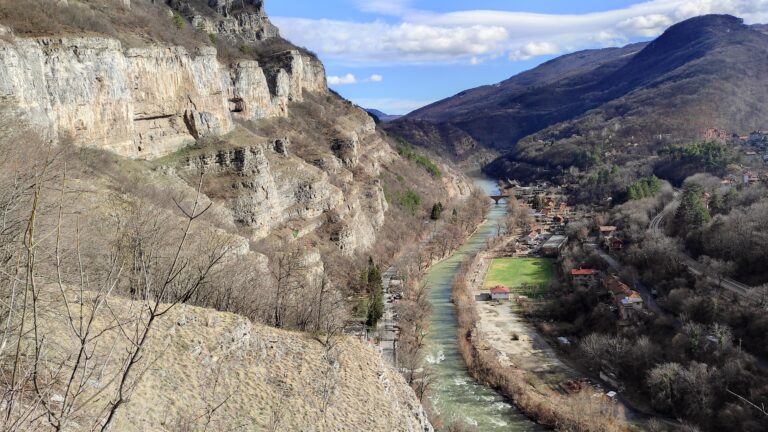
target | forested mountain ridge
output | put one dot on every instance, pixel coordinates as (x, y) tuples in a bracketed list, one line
[(617, 104)]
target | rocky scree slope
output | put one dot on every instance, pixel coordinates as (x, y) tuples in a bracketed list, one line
[(618, 104)]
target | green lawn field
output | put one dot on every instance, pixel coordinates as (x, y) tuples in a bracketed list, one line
[(523, 276)]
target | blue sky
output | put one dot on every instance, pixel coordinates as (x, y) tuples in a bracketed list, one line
[(398, 55)]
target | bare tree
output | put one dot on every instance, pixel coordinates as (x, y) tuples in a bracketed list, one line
[(76, 344), (286, 267)]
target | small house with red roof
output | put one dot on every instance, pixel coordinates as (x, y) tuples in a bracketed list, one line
[(499, 293), (585, 278)]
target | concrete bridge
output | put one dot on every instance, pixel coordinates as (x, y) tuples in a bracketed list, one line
[(498, 198)]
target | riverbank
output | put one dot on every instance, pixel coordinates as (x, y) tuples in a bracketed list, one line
[(458, 399), (407, 314), (516, 375)]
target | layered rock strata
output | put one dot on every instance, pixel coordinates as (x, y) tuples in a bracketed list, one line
[(143, 102)]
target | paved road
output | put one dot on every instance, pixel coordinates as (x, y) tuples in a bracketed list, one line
[(386, 329)]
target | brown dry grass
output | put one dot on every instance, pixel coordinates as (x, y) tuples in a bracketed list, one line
[(262, 378)]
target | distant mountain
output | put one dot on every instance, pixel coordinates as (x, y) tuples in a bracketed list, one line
[(617, 104), (383, 116)]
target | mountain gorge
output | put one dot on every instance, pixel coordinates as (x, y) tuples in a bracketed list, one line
[(146, 116), (617, 104)]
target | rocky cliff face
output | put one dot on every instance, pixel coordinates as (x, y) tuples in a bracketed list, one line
[(144, 102), (243, 20), (265, 188)]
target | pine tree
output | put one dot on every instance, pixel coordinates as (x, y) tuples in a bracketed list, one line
[(437, 211), (692, 213), (376, 295)]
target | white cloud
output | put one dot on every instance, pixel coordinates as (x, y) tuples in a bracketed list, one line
[(349, 79), (342, 80), (426, 37), (534, 49)]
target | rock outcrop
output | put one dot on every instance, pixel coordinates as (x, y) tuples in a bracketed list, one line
[(241, 20), (268, 189), (144, 102)]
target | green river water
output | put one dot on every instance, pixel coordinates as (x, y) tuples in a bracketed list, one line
[(455, 395)]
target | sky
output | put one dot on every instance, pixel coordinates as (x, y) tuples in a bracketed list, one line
[(399, 55)]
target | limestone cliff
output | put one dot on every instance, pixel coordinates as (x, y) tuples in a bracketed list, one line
[(241, 20), (144, 102)]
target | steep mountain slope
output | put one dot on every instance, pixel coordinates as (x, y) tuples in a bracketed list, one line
[(140, 103), (382, 115), (496, 116), (702, 73)]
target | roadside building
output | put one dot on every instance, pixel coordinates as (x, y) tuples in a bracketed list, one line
[(554, 246), (628, 301), (532, 238), (585, 278), (750, 178), (614, 244), (500, 293), (630, 306), (607, 231)]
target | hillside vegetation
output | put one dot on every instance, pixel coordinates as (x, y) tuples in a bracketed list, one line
[(608, 106)]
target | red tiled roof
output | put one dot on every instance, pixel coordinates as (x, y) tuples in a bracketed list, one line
[(616, 286), (583, 272), (499, 290)]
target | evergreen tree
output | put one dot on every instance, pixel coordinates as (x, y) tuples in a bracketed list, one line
[(717, 204), (376, 295), (692, 213), (437, 211)]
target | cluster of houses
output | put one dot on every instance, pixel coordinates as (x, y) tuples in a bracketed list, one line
[(551, 212), (628, 302), (755, 144), (610, 240), (756, 139), (747, 178)]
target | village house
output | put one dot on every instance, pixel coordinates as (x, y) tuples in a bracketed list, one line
[(751, 156), (554, 246), (585, 278), (607, 232), (629, 302), (532, 238), (613, 244), (750, 178), (499, 293)]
